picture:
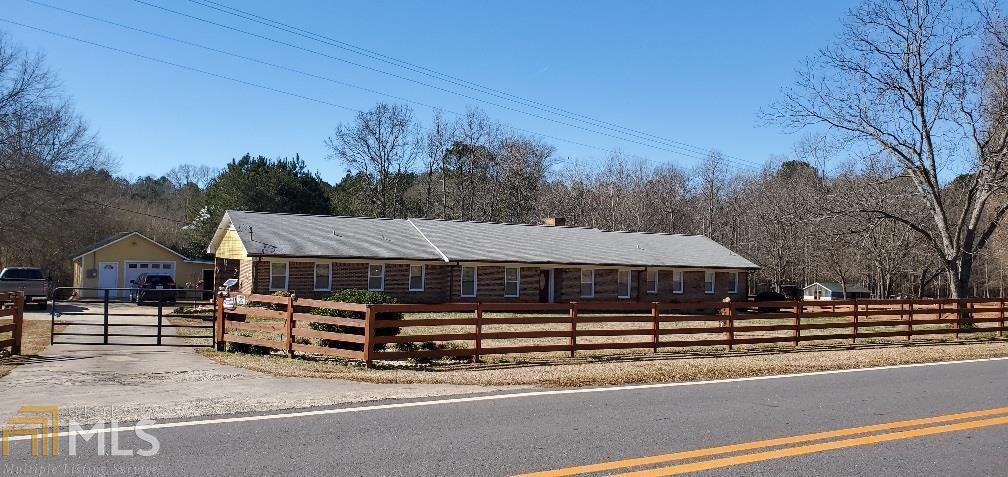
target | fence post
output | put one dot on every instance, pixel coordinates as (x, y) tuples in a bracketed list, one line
[(654, 325), (478, 313), (289, 327), (369, 331), (105, 338), (728, 311), (52, 319), (854, 335), (19, 301), (910, 310), (219, 322), (797, 321), (1002, 330), (160, 321), (573, 328), (960, 312)]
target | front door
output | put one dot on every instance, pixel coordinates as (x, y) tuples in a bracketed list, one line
[(546, 286), (108, 277), (208, 284)]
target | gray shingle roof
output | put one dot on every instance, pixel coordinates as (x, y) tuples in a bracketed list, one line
[(354, 237)]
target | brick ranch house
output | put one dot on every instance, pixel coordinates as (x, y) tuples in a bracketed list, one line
[(438, 261)]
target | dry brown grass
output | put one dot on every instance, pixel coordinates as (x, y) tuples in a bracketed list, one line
[(35, 337), (684, 365)]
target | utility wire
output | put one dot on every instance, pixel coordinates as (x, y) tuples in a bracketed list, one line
[(256, 85), (680, 150), (497, 93), (293, 70)]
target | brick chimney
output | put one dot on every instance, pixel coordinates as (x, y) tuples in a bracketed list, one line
[(555, 221)]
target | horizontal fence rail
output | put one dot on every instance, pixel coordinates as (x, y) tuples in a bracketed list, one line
[(85, 316), (472, 330)]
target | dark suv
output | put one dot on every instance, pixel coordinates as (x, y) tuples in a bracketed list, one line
[(149, 287)]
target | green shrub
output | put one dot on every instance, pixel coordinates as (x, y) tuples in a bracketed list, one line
[(355, 296), (248, 348), (277, 306)]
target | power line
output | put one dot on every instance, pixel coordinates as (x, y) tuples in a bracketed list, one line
[(257, 61), (446, 77), (680, 150)]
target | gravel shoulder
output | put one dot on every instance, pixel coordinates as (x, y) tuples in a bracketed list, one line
[(689, 365)]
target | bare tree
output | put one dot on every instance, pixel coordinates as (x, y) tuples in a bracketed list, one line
[(381, 143), (904, 79)]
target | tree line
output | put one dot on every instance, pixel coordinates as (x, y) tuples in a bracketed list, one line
[(897, 182)]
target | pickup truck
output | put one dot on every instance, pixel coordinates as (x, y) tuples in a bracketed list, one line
[(29, 280)]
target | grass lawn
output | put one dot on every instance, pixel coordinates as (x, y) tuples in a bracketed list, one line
[(34, 338)]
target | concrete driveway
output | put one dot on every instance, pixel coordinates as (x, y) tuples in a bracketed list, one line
[(94, 382)]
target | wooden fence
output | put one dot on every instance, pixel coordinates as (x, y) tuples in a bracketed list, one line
[(11, 306), (473, 330)]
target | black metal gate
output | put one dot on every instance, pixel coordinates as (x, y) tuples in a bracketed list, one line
[(131, 317)]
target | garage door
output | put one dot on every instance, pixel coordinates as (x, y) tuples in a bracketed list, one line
[(135, 268)]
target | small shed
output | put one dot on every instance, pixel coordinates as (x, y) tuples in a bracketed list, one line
[(117, 260), (835, 291)]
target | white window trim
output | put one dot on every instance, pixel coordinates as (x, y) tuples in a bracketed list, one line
[(629, 284), (382, 265), (655, 289), (315, 276), (423, 278), (713, 282), (581, 280), (286, 276), (475, 292), (517, 282), (682, 282), (735, 280)]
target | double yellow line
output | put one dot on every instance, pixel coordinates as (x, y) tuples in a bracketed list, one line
[(919, 428)]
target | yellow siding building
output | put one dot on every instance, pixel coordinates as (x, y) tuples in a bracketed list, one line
[(117, 260)]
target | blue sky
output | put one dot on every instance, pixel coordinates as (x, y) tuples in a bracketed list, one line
[(692, 72)]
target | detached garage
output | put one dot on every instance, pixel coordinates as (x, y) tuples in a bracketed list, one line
[(120, 259)]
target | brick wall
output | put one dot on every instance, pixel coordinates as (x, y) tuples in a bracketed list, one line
[(490, 285), (442, 283)]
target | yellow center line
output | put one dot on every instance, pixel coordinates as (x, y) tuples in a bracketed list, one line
[(812, 448), (711, 451)]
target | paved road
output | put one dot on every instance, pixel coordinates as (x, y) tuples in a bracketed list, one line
[(520, 434)]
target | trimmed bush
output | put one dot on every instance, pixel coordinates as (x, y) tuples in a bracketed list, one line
[(355, 296)]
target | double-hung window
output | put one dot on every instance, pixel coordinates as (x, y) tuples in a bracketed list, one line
[(278, 276), (623, 283), (468, 282), (734, 282), (511, 281), (416, 277), (587, 283), (677, 281), (323, 276), (708, 282), (376, 277), (652, 281)]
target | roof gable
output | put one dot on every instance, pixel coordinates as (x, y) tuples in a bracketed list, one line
[(122, 236)]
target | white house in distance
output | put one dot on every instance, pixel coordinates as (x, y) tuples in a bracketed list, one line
[(835, 291)]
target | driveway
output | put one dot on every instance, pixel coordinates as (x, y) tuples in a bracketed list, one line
[(93, 382)]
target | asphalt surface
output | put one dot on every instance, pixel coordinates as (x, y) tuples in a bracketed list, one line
[(532, 433)]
